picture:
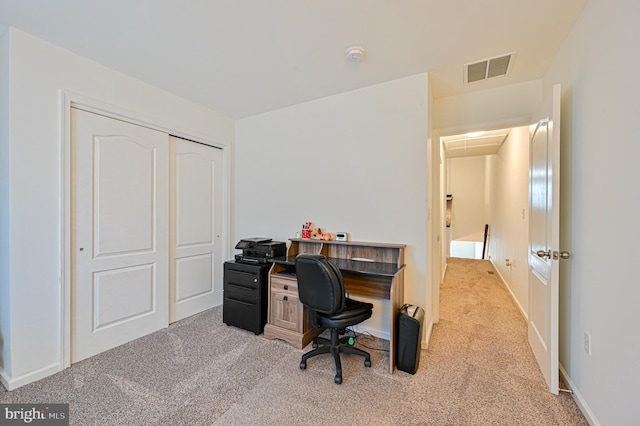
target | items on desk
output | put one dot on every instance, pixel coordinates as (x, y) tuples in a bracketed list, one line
[(259, 250), (306, 230), (362, 259), (317, 234), (342, 236)]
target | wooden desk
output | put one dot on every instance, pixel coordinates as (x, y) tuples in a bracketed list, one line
[(383, 278)]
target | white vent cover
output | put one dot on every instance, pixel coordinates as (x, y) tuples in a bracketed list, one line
[(488, 68)]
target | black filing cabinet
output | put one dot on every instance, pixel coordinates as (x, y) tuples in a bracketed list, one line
[(245, 295)]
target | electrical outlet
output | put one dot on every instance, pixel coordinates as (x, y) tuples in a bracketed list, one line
[(587, 343)]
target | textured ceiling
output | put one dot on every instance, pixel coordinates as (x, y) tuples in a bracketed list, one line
[(245, 57)]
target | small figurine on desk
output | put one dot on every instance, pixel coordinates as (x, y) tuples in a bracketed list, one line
[(317, 234)]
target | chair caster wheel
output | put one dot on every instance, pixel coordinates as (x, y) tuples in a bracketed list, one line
[(367, 363), (338, 380), (303, 365)]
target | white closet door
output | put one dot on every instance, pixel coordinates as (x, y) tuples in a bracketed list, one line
[(196, 252), (120, 236)]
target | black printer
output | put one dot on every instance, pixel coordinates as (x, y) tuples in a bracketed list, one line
[(259, 250)]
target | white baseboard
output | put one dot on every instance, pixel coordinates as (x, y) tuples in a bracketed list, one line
[(577, 396), (14, 383), (513, 296)]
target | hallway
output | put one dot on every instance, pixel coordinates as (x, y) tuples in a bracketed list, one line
[(480, 346)]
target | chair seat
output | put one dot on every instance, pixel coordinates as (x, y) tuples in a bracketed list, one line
[(354, 313)]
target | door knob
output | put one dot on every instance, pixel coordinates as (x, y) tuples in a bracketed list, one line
[(565, 255), (543, 254)]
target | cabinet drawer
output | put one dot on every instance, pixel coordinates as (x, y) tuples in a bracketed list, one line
[(241, 289), (243, 312), (240, 299), (244, 279), (284, 285)]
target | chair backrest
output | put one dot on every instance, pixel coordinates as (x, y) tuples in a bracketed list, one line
[(320, 285)]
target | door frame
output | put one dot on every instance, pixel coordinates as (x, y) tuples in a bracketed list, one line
[(70, 99)]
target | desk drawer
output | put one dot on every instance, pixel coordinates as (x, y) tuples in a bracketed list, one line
[(287, 285), (286, 311)]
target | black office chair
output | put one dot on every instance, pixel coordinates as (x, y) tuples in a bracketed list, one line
[(321, 289)]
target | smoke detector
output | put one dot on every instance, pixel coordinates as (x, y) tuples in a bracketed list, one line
[(354, 54)]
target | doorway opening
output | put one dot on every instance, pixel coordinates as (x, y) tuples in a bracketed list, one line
[(469, 165), (486, 181)]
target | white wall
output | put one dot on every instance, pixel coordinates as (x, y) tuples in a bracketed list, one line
[(509, 220), (466, 249), (5, 326), (353, 162), (598, 67), (466, 184), (498, 108), (38, 72)]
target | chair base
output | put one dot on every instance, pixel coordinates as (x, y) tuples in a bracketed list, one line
[(335, 346)]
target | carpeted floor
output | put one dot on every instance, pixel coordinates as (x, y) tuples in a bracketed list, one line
[(478, 370)]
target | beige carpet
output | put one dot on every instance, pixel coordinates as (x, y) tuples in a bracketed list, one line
[(478, 370)]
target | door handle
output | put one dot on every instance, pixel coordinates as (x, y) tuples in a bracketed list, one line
[(556, 255), (543, 254)]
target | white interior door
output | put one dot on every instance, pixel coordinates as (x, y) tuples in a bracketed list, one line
[(544, 239), (196, 252), (119, 236)]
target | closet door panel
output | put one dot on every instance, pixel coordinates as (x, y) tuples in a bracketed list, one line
[(196, 252), (120, 235)]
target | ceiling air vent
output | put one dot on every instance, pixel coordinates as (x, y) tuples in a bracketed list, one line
[(488, 68)]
